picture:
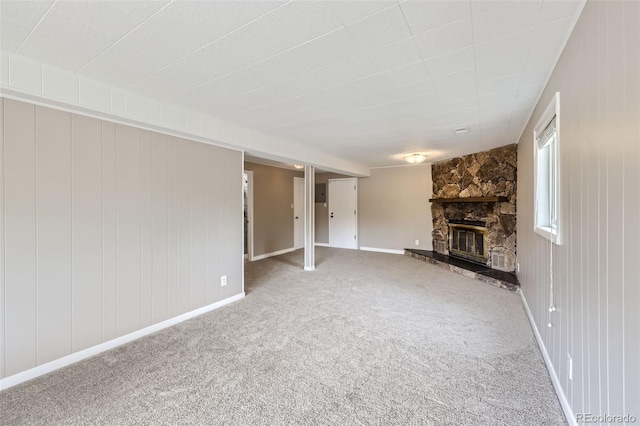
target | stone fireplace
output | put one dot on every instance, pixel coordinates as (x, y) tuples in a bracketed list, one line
[(474, 207)]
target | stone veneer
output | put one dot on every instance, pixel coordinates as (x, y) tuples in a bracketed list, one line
[(484, 174)]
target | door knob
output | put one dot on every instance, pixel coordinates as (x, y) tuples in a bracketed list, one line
[(297, 217), (331, 214)]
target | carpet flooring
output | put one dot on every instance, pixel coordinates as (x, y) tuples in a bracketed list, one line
[(365, 339)]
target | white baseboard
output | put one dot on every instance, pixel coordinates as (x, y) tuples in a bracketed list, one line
[(309, 268), (273, 253), (322, 244), (381, 250), (40, 370), (564, 402)]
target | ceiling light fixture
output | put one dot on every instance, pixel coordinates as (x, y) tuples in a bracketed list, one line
[(298, 166), (415, 158)]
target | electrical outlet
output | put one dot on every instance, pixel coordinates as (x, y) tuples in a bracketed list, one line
[(417, 242), (223, 281), (570, 366)]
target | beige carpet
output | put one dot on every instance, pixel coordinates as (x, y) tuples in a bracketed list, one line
[(366, 339)]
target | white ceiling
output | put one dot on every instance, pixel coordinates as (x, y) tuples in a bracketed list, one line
[(364, 80)]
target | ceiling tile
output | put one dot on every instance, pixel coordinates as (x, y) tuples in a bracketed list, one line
[(454, 36), (552, 34), (380, 29), (506, 49), (451, 62), (494, 70), (12, 34), (110, 17), (424, 16), (186, 26), (349, 12), (508, 19), (304, 21), (395, 55), (27, 13), (499, 84), (479, 6), (556, 10), (55, 42), (494, 97)]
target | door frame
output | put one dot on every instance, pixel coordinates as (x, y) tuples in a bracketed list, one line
[(249, 174), (357, 233), (301, 207)]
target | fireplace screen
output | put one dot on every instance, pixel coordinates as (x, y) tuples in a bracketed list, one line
[(469, 242)]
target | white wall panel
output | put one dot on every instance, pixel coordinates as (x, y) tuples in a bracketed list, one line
[(20, 236), (87, 214), (2, 239), (109, 233), (160, 222), (146, 215), (129, 256), (53, 233), (199, 190), (172, 222), (183, 228), (109, 229), (595, 270)]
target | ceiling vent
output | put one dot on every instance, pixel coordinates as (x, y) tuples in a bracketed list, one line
[(460, 130)]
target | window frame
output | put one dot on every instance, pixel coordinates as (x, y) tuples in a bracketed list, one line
[(550, 230)]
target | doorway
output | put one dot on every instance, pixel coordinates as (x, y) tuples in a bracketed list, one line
[(247, 189), (298, 213), (343, 218)]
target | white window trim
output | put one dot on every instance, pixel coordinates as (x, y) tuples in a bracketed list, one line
[(553, 109)]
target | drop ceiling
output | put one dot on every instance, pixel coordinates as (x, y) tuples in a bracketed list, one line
[(363, 80)]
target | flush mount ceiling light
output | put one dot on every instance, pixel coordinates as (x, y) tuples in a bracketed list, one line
[(460, 130), (415, 158), (298, 166)]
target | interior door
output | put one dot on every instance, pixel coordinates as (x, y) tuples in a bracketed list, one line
[(298, 212), (343, 218)]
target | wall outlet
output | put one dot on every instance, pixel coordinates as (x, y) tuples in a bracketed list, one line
[(417, 242), (570, 366), (223, 281)]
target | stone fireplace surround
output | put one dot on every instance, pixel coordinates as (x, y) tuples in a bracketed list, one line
[(483, 174)]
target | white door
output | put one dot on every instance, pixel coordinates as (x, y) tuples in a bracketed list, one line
[(298, 212), (343, 218)]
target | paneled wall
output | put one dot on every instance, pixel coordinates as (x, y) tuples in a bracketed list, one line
[(107, 229), (596, 269)]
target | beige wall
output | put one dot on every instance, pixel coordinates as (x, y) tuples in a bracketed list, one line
[(322, 209), (394, 208), (272, 212), (596, 269), (107, 229)]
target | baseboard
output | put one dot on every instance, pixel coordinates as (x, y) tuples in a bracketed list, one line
[(273, 253), (40, 370), (381, 250), (568, 412), (322, 244), (309, 268)]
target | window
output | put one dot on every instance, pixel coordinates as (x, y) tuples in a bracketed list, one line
[(547, 138)]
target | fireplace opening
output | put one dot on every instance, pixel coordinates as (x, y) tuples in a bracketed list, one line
[(468, 240)]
